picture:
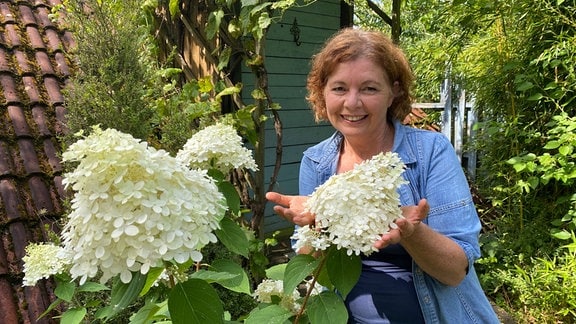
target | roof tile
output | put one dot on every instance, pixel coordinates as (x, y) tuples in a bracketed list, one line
[(26, 15), (31, 89), (61, 64), (42, 123), (10, 200), (33, 70), (6, 15), (22, 64), (6, 165), (10, 90), (53, 40), (8, 307), (4, 61), (28, 155), (35, 38), (12, 35), (53, 87), (19, 123), (44, 63), (43, 16)]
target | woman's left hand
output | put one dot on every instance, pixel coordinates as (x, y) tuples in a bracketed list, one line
[(405, 227)]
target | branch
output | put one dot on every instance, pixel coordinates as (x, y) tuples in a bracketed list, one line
[(379, 12)]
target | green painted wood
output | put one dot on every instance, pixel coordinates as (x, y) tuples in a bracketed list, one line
[(288, 64), (299, 135)]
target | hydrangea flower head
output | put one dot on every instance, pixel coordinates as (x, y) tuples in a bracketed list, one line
[(353, 209), (217, 146), (42, 261), (268, 288), (134, 207)]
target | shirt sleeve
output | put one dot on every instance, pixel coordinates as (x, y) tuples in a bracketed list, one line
[(452, 210)]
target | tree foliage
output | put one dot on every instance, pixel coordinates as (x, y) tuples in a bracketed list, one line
[(517, 59)]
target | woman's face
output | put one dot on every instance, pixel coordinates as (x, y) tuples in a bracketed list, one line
[(357, 96)]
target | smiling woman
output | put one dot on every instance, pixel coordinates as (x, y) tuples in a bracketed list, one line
[(421, 269)]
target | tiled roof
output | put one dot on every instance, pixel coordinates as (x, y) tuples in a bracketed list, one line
[(33, 70)]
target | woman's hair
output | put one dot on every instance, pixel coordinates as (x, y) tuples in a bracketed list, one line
[(350, 44)]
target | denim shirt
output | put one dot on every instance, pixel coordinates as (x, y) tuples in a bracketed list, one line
[(433, 172)]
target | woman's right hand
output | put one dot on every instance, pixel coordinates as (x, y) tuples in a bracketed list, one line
[(291, 208)]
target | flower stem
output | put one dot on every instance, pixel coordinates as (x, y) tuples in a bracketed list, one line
[(311, 288)]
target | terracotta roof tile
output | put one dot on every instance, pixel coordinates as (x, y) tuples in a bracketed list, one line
[(33, 70), (4, 62)]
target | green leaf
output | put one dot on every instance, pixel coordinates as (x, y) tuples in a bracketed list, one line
[(151, 312), (65, 290), (224, 58), (52, 306), (195, 302), (239, 283), (298, 268), (214, 20), (92, 287), (231, 195), (552, 145), (233, 237), (327, 308), (276, 272), (343, 269), (122, 295), (151, 278), (174, 7), (526, 85), (565, 150), (535, 97), (213, 276), (73, 316), (273, 314), (561, 234)]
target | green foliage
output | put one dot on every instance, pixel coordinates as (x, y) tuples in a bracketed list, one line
[(113, 74), (517, 59), (541, 290)]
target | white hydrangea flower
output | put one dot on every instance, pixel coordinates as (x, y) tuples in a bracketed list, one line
[(355, 208), (134, 207), (42, 260), (268, 288), (217, 146)]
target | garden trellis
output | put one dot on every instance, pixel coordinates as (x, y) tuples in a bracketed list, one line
[(458, 118)]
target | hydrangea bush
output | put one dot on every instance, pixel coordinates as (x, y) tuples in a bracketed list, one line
[(139, 219), (135, 207)]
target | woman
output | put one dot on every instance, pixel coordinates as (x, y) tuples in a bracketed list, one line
[(424, 271)]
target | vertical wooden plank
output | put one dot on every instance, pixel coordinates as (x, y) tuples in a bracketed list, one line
[(460, 123), (446, 98), (472, 154)]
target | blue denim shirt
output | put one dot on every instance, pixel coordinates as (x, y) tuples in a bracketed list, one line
[(434, 172)]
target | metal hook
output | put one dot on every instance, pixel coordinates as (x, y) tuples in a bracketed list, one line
[(295, 31)]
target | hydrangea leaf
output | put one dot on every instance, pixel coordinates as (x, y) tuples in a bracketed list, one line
[(276, 272), (65, 290), (327, 308), (343, 269), (195, 302), (297, 269), (273, 314), (239, 283), (212, 276), (92, 287), (73, 316), (233, 237), (122, 295), (231, 195)]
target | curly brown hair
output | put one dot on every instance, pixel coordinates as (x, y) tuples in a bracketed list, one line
[(350, 44)]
